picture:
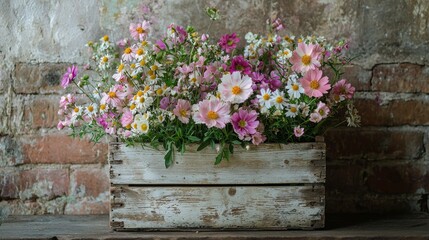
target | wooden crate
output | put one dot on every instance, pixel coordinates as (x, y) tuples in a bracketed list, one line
[(271, 186)]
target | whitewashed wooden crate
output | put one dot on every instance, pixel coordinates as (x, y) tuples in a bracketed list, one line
[(271, 186)]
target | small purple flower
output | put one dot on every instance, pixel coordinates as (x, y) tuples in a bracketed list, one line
[(274, 81), (228, 42), (69, 76), (238, 63), (244, 123)]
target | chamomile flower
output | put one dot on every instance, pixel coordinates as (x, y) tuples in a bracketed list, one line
[(105, 62), (265, 99), (292, 110), (294, 89), (91, 110), (278, 99)]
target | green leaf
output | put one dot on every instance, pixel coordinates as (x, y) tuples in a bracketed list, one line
[(203, 145), (231, 148), (194, 139), (236, 142), (168, 158), (219, 158)]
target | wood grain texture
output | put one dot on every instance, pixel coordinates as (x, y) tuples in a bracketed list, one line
[(216, 207), (264, 164)]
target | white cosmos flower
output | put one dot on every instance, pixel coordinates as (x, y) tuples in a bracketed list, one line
[(234, 88)]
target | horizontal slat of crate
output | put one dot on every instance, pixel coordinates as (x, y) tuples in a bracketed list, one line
[(253, 207), (264, 164)]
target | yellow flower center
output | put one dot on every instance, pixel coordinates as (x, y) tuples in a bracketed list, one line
[(140, 30), (279, 99), (132, 107), (306, 60), (314, 84), (76, 109), (293, 109), (106, 38), (142, 63), (135, 125), (121, 67), (146, 88), (159, 91), (194, 80), (128, 126), (295, 87), (144, 43), (141, 100), (90, 108), (212, 115), (242, 123), (102, 107), (285, 52), (127, 50), (154, 68), (139, 93), (266, 96), (236, 90), (132, 66), (144, 127), (153, 76), (105, 59), (183, 112), (112, 94), (139, 51)]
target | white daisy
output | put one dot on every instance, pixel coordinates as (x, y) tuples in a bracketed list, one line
[(278, 99), (294, 89), (292, 110), (265, 98)]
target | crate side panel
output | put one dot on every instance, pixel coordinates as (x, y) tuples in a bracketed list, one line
[(264, 164), (252, 207)]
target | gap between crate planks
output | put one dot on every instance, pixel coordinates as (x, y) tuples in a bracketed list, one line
[(267, 187)]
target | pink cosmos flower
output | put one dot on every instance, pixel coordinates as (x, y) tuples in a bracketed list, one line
[(69, 76), (298, 131), (140, 31), (314, 84), (258, 138), (305, 57), (342, 90), (238, 63), (213, 113), (228, 42), (244, 122), (66, 101), (234, 88), (315, 117), (322, 110), (182, 110), (127, 118), (115, 96)]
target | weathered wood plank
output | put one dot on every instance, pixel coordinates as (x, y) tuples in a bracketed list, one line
[(264, 164), (253, 207)]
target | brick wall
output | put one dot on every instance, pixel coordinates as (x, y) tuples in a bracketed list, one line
[(381, 167)]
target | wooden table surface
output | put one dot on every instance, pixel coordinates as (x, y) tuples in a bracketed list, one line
[(96, 227)]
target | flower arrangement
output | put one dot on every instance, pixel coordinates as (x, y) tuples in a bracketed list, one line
[(185, 88)]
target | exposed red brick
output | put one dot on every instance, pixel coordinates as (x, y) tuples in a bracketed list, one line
[(394, 113), (44, 183), (61, 148), (42, 111), (38, 78), (403, 77), (90, 182), (399, 179), (345, 178), (9, 185), (373, 144)]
